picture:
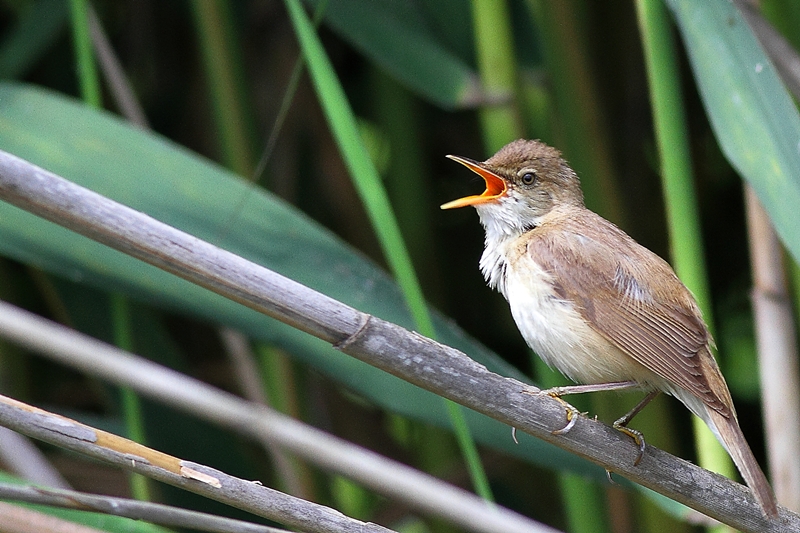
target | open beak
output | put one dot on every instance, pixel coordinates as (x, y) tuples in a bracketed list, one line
[(495, 186)]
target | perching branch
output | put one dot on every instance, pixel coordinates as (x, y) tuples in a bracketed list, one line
[(430, 365)]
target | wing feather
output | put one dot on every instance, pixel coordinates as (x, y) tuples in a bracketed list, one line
[(632, 298)]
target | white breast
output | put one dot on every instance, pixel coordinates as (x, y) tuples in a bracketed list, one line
[(552, 326)]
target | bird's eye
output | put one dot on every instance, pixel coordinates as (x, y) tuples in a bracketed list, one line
[(528, 178)]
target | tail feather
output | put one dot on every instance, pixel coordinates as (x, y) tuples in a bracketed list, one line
[(730, 434)]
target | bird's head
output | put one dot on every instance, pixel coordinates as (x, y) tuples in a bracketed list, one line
[(525, 181)]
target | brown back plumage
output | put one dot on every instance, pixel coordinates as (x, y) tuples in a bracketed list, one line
[(633, 298)]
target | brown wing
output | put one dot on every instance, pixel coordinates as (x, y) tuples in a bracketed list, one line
[(631, 297)]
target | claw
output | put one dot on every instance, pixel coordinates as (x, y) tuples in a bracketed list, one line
[(572, 418), (638, 438), (572, 413)]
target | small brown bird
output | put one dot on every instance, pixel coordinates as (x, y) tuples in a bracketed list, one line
[(592, 302)]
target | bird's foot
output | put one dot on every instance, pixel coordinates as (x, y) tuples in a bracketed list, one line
[(635, 434), (638, 437), (620, 425), (572, 418), (572, 412)]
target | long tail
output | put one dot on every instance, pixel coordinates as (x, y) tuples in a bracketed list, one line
[(729, 432)]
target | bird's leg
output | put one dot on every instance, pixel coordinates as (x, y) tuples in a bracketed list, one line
[(591, 387), (638, 437), (572, 412)]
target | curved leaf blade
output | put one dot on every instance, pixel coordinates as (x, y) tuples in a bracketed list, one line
[(754, 119)]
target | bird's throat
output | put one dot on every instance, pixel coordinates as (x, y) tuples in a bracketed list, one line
[(504, 233)]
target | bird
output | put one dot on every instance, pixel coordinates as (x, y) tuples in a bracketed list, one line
[(593, 303)]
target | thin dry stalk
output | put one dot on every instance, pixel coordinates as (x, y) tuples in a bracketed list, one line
[(197, 478), (97, 358), (151, 512), (243, 362), (777, 353), (23, 458)]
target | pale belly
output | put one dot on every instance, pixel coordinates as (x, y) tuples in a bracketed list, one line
[(555, 330)]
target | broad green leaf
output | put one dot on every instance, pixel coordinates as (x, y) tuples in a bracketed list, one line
[(754, 119), (405, 40), (149, 173)]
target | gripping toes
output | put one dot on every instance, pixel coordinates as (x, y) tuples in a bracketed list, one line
[(572, 412), (638, 438)]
